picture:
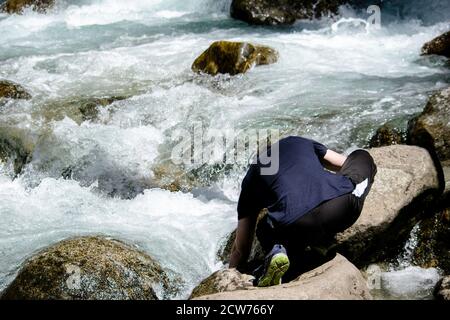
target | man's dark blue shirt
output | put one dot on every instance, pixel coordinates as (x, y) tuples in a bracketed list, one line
[(300, 184)]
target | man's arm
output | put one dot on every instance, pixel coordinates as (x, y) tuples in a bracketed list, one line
[(333, 160), (243, 242)]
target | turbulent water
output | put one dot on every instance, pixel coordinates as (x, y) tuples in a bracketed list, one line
[(335, 81)]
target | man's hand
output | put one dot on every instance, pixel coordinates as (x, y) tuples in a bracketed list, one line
[(243, 242)]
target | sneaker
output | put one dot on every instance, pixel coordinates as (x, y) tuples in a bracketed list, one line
[(275, 266)]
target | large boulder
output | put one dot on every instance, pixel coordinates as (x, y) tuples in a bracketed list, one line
[(442, 291), (282, 12), (17, 6), (90, 267), (337, 279), (405, 185), (12, 90), (233, 57), (439, 46), (431, 129)]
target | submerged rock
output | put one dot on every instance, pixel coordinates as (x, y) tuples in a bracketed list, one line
[(89, 268), (15, 146), (12, 90), (431, 128), (439, 46), (336, 279), (78, 109), (233, 57), (89, 107), (386, 135), (282, 12), (405, 184), (442, 291), (17, 6)]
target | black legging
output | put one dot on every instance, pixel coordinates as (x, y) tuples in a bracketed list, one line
[(321, 224)]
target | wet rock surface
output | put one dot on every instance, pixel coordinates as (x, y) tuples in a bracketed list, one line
[(337, 279), (13, 90), (89, 268), (233, 58)]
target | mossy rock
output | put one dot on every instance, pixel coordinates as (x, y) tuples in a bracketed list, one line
[(433, 248), (12, 90), (91, 267), (17, 6), (233, 58), (439, 46), (387, 135)]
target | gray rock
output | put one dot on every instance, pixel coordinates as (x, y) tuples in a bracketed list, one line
[(431, 128), (282, 12), (337, 279), (221, 281), (406, 182), (91, 267), (439, 46)]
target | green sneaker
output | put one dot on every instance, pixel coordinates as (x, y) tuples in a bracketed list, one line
[(275, 266)]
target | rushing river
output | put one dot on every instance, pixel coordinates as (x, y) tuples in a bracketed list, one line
[(335, 81)]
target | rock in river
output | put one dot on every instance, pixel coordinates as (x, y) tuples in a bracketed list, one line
[(439, 46), (431, 128), (17, 6), (91, 267), (12, 90), (386, 135), (281, 12), (233, 57)]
